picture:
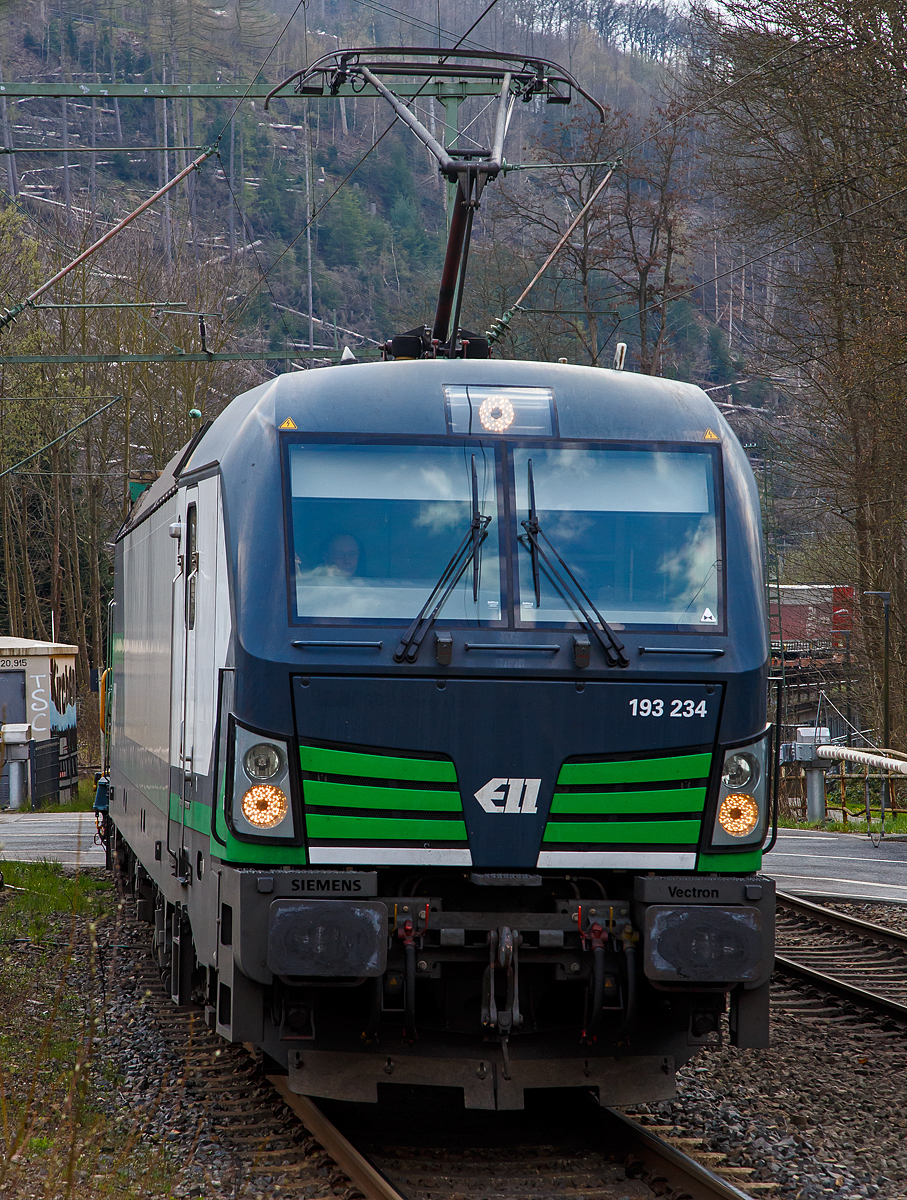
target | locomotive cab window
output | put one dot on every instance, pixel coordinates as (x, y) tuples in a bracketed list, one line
[(373, 527), (637, 528)]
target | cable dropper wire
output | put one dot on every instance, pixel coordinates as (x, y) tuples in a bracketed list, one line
[(242, 100), (318, 211)]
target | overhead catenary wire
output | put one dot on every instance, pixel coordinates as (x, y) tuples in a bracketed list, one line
[(503, 321), (415, 22), (61, 438), (443, 58), (245, 96), (10, 314), (317, 212), (500, 324)]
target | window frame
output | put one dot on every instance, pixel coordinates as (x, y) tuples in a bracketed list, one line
[(501, 450), (717, 484), (490, 447), (191, 567)]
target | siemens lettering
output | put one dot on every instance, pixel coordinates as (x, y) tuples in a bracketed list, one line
[(327, 885)]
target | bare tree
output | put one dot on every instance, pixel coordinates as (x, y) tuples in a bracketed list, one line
[(814, 170)]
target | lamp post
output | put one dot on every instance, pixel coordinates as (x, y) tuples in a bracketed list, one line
[(885, 597)]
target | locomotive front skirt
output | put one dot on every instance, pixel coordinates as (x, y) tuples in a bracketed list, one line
[(439, 749)]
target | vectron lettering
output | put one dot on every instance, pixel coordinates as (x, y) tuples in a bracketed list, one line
[(693, 893)]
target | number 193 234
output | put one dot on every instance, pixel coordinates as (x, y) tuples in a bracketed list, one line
[(656, 708)]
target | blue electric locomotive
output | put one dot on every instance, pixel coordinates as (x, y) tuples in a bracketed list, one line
[(439, 750), (439, 745)]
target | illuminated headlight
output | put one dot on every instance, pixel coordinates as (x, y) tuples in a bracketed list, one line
[(474, 409), (738, 814), (260, 804), (742, 797), (264, 805), (496, 413)]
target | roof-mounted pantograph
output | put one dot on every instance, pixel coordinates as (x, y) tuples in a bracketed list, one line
[(515, 77)]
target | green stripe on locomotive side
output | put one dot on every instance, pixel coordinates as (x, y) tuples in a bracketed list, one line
[(685, 800), (327, 827), (321, 761), (614, 832), (355, 795), (735, 863), (647, 770)]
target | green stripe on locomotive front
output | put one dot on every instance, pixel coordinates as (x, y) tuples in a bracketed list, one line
[(649, 809), (325, 761), (646, 770), (685, 800), (365, 782), (634, 833)]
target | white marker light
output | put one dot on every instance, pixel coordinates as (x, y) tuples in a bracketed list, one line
[(262, 762), (496, 413)]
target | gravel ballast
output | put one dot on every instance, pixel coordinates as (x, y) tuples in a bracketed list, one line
[(820, 1114), (823, 1112)]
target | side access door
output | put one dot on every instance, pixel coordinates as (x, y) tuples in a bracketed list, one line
[(185, 617)]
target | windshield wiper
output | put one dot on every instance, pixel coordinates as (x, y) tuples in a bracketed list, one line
[(613, 648), (467, 552)]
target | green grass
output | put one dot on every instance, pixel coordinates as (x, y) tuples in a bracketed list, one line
[(38, 891), (856, 823), (83, 801), (56, 1139)]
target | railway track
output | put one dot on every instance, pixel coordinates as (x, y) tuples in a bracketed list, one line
[(286, 1145), (586, 1153), (855, 959)]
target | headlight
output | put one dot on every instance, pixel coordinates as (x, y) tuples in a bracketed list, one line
[(263, 761), (740, 769), (260, 803), (738, 814), (742, 797), (264, 805), (496, 413)]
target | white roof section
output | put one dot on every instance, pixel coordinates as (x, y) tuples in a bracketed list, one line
[(15, 647)]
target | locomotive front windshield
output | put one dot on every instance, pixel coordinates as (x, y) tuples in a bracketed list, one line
[(637, 528), (374, 525)]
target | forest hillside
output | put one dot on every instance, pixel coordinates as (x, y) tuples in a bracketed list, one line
[(749, 240)]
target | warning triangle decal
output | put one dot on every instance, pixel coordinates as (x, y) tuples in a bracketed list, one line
[(289, 423), (708, 618), (711, 436)]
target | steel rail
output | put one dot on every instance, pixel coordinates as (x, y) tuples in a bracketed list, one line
[(658, 1158), (849, 991), (367, 1179), (879, 933), (834, 983), (679, 1171)]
